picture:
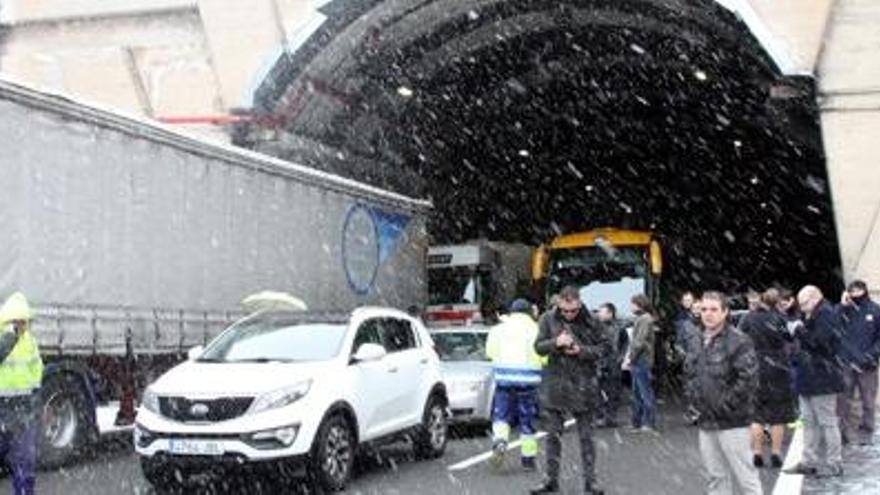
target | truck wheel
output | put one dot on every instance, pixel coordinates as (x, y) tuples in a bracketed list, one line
[(65, 424), (332, 457), (433, 433)]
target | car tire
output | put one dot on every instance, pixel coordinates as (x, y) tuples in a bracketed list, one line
[(331, 461), (433, 434), (65, 425)]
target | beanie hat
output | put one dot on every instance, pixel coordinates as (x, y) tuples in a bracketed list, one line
[(520, 306)]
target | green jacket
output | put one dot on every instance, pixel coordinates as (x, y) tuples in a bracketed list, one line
[(641, 347)]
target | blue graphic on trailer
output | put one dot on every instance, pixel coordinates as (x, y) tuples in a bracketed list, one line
[(369, 237), (392, 227)]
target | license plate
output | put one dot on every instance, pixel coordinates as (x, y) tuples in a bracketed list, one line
[(195, 447)]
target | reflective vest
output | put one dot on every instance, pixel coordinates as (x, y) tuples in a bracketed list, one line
[(511, 348), (22, 371)]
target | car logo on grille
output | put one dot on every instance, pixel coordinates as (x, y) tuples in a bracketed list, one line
[(199, 410)]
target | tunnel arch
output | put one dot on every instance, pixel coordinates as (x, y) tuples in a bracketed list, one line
[(529, 118)]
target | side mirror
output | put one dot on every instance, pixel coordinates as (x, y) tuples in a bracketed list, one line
[(369, 352), (195, 352)]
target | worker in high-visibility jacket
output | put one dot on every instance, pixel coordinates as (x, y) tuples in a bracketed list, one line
[(21, 372), (517, 371)]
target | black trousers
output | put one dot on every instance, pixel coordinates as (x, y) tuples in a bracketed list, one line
[(554, 423), (611, 386)]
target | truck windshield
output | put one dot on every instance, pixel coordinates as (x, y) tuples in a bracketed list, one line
[(455, 285), (603, 275), (267, 338)]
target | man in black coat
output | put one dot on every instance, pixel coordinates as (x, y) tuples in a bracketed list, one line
[(860, 353), (722, 374), (610, 381), (574, 343), (818, 380)]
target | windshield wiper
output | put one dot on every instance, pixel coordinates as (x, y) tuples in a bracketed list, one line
[(209, 360)]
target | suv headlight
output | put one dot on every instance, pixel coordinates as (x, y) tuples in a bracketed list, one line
[(281, 397), (150, 401), (271, 439)]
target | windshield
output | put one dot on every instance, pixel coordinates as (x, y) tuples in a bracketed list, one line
[(603, 275), (455, 285), (273, 337), (461, 346)]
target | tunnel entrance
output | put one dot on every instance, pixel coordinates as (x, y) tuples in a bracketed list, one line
[(526, 119)]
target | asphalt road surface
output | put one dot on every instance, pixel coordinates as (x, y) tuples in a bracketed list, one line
[(628, 463)]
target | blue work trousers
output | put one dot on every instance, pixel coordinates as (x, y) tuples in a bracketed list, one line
[(516, 406), (18, 447)]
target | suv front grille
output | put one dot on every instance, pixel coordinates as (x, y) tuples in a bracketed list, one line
[(203, 410)]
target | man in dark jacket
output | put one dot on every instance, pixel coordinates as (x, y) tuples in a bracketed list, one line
[(687, 325), (574, 344), (684, 319), (818, 380), (722, 375), (609, 367), (859, 352)]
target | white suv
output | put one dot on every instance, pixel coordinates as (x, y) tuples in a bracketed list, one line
[(294, 392)]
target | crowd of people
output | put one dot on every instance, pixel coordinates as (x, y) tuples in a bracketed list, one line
[(791, 360), (569, 363), (810, 357)]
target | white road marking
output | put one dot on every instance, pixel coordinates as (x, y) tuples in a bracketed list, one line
[(791, 484), (477, 459)]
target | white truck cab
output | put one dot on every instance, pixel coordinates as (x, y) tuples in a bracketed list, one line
[(466, 279), (461, 280)]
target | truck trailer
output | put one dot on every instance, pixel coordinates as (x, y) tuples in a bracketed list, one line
[(135, 243)]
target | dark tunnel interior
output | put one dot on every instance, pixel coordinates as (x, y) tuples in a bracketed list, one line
[(530, 118)]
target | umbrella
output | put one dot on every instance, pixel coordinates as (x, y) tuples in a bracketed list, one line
[(269, 300)]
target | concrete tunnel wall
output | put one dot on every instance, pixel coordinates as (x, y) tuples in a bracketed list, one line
[(849, 98), (836, 42), (341, 55)]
